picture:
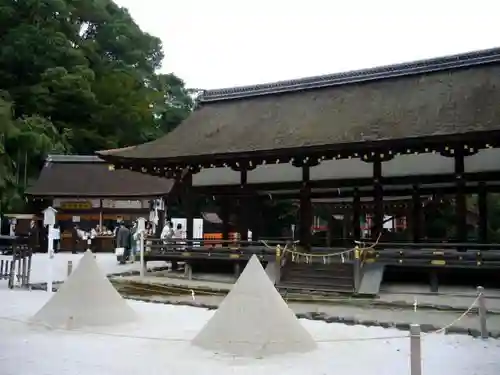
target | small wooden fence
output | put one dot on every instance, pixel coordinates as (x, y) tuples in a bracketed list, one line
[(16, 267)]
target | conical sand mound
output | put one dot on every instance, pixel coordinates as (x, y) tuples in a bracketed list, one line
[(87, 298), (254, 321)]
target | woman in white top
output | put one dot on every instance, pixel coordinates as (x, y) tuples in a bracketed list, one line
[(56, 235)]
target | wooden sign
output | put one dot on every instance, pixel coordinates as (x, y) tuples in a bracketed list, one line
[(122, 204), (76, 205)]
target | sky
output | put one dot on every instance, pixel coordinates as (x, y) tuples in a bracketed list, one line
[(225, 43)]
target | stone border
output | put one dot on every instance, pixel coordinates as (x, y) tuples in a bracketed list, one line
[(352, 301), (338, 319), (137, 273), (199, 289), (358, 302), (43, 286)]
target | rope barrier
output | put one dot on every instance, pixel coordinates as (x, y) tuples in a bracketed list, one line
[(168, 289), (308, 256), (179, 339), (173, 339), (463, 315)]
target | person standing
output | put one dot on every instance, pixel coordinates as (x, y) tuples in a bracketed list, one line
[(167, 232), (12, 228), (33, 236), (134, 232), (124, 241), (56, 237), (75, 239), (178, 233), (179, 245)]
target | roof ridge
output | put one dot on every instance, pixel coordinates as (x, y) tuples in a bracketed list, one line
[(55, 158), (423, 66)]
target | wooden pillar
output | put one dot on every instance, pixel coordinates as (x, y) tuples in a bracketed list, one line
[(225, 214), (161, 223), (356, 214), (243, 207), (243, 218), (306, 214), (482, 202), (189, 205), (460, 198), (329, 232), (255, 216), (378, 199), (416, 214)]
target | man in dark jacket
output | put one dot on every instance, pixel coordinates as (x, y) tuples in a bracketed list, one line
[(124, 240)]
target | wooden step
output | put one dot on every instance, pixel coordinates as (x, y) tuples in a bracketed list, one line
[(331, 279), (319, 272), (318, 277), (320, 280), (301, 287), (313, 273)]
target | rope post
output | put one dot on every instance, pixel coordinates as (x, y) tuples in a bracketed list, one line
[(143, 269), (482, 311), (357, 269), (12, 271), (415, 350), (278, 253), (277, 265), (70, 267), (188, 271)]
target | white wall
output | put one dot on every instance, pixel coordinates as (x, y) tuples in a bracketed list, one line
[(216, 177), (341, 169), (484, 161), (274, 173), (400, 165), (421, 164)]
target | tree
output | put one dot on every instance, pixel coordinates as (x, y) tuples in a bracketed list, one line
[(174, 102), (77, 76), (7, 129)]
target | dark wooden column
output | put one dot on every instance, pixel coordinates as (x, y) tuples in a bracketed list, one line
[(225, 210), (306, 214), (356, 214), (416, 215), (255, 216), (161, 218), (189, 206), (243, 207), (482, 203), (378, 198), (460, 198)]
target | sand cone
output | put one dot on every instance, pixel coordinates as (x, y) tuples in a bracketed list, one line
[(87, 298), (254, 320)]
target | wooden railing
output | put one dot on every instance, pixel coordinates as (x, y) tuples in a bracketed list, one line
[(159, 245), (16, 269), (467, 246)]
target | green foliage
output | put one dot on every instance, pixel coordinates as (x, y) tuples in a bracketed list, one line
[(77, 76)]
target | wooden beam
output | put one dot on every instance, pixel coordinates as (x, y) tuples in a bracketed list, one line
[(378, 197), (416, 214), (243, 206), (225, 213), (356, 215), (482, 202), (189, 205), (306, 215), (460, 197)]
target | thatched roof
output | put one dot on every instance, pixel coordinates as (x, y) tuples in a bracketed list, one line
[(452, 95), (90, 176)]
